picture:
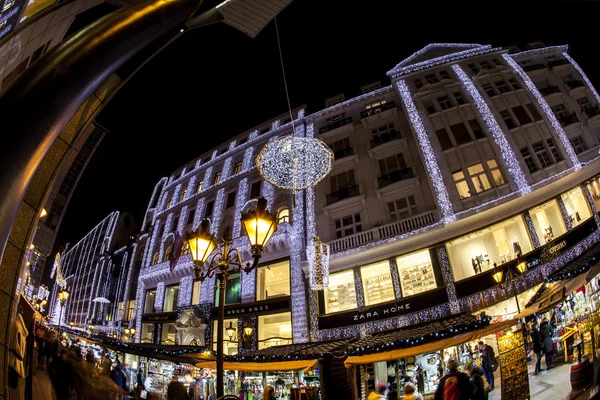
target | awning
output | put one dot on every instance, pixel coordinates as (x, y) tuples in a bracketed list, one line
[(429, 347), (261, 366)]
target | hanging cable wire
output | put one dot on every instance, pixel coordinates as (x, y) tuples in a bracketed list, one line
[(287, 94)]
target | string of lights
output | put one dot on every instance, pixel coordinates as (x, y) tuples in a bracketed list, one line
[(218, 211), (531, 227), (583, 76), (564, 212), (395, 278), (241, 197), (448, 279), (186, 285)]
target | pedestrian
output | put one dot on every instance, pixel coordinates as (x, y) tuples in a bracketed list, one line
[(119, 378), (379, 393), (477, 383), (488, 362), (269, 393), (455, 385), (547, 344), (536, 342), (410, 393), (176, 390)]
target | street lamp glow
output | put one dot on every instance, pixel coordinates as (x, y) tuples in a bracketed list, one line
[(259, 225), (63, 295), (201, 243)]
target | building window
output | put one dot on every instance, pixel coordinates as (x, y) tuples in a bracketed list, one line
[(168, 333), (461, 135), (473, 68), (428, 104), (341, 148), (485, 65), (495, 171), (461, 184), (168, 252), (560, 111), (479, 178), (478, 251), (496, 61), (476, 129), (348, 225), (199, 186), (459, 98), (521, 115), (577, 206), (175, 224), (229, 348), (444, 74), (489, 89), (209, 209), (578, 144), (533, 111), (377, 283), (418, 83), (501, 86), (391, 164), (169, 202), (255, 190), (170, 298), (196, 292), (182, 195), (155, 258), (130, 310), (444, 102), (402, 208), (548, 221), (584, 103), (431, 78), (381, 133), (273, 281), (510, 123), (283, 216), (230, 200), (416, 273), (444, 139), (531, 166), (232, 290), (342, 181), (237, 168), (542, 154), (149, 301), (554, 150), (514, 84), (340, 295), (274, 330), (146, 336), (190, 218), (217, 178)]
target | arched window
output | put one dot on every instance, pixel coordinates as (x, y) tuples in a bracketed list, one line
[(283, 215), (185, 249), (155, 258), (168, 252)]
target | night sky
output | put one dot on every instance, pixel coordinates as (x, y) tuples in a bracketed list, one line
[(215, 82)]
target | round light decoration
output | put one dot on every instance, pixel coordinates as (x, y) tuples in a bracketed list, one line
[(294, 162)]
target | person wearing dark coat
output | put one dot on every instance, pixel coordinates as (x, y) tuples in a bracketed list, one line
[(536, 342), (176, 390), (547, 345), (454, 383), (488, 360), (476, 378)]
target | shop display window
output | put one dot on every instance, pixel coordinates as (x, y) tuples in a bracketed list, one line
[(274, 330), (149, 301), (340, 295), (170, 298), (594, 188), (548, 221), (232, 290), (229, 347), (577, 206), (146, 336), (377, 283), (416, 273), (196, 292), (273, 281), (167, 335), (478, 251)]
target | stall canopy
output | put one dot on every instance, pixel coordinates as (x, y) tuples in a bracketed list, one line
[(424, 348), (261, 366)]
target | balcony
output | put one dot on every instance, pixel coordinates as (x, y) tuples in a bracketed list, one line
[(335, 125), (342, 194), (384, 138), (348, 151), (383, 232), (395, 176), (568, 119), (556, 63), (592, 111), (376, 110), (534, 67), (549, 90), (574, 84)]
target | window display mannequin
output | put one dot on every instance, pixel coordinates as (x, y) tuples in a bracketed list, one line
[(548, 235), (517, 247)]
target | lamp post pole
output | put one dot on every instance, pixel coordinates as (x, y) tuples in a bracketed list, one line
[(63, 295), (220, 358)]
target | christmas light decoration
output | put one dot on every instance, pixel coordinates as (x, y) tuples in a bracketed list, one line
[(448, 279), (241, 197), (343, 104), (431, 165), (562, 136), (160, 296), (532, 230), (186, 285), (318, 264), (294, 162), (313, 308), (590, 200), (248, 159), (564, 212), (358, 288), (268, 192), (199, 213), (583, 75), (226, 171), (217, 211), (549, 49), (395, 278), (508, 156)]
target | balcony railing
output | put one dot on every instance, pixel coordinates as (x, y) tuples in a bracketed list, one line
[(335, 125), (342, 194), (384, 138), (568, 119), (556, 63), (549, 90), (376, 110), (592, 111), (574, 84), (534, 67), (395, 176), (383, 232), (348, 151)]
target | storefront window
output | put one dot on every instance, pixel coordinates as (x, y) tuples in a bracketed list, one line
[(594, 188), (167, 335), (229, 348), (130, 310), (273, 281), (478, 251), (149, 301), (548, 221), (377, 283), (232, 290), (196, 292), (340, 295), (170, 299), (274, 330), (416, 273), (146, 336), (577, 206)]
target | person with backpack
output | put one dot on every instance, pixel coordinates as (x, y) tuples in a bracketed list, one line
[(488, 362), (455, 385), (477, 383)]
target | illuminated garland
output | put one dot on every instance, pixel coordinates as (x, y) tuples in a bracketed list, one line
[(583, 76), (217, 212), (395, 278), (562, 136), (531, 227), (226, 171), (564, 212), (160, 296), (313, 308), (242, 195), (186, 285), (199, 216), (448, 279), (247, 163), (548, 49), (508, 156), (268, 192), (590, 200), (358, 288), (431, 165), (318, 264)]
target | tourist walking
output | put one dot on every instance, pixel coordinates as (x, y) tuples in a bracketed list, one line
[(455, 385), (488, 362), (536, 342), (547, 344), (176, 390), (477, 383)]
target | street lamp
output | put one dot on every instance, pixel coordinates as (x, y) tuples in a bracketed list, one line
[(242, 336), (499, 273), (91, 328), (63, 295), (259, 225)]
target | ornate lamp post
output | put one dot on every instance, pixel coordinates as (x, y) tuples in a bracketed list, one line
[(259, 225), (499, 273), (63, 295), (242, 336)]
